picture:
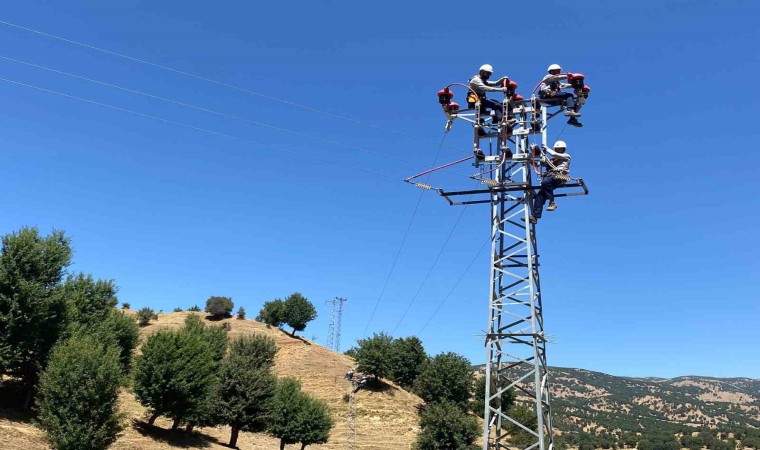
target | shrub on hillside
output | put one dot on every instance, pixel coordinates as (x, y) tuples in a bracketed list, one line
[(447, 376), (145, 315), (297, 312), (245, 392), (194, 308), (122, 331), (445, 426), (272, 313), (478, 405), (407, 357), (176, 372), (77, 401), (373, 355), (125, 305), (219, 307), (241, 313), (299, 417), (177, 309), (88, 301), (31, 313)]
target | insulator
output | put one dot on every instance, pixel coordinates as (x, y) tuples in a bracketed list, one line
[(451, 108), (576, 80), (492, 183), (511, 88), (423, 186), (444, 96), (586, 89)]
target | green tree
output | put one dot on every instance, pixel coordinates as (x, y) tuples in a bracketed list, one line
[(446, 427), (241, 313), (175, 374), (315, 422), (527, 417), (125, 305), (89, 301), (194, 308), (659, 441), (120, 330), (478, 403), (272, 313), (219, 307), (298, 417), (407, 357), (245, 393), (297, 312), (31, 314), (447, 376), (78, 395), (145, 315), (373, 355)]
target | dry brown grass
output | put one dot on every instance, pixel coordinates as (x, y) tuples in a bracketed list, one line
[(385, 420)]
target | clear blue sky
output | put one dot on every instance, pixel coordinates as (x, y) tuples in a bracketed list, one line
[(654, 274)]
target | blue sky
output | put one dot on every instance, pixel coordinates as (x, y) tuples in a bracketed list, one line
[(654, 274)]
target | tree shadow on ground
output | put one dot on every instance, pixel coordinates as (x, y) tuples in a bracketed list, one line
[(178, 438), (12, 402), (379, 387), (300, 338)]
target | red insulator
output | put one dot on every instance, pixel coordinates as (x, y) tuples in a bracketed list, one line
[(585, 90), (518, 98), (452, 108), (511, 88), (576, 80), (444, 96)]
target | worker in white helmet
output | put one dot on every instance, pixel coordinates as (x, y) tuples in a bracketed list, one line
[(550, 93), (480, 84), (558, 173)]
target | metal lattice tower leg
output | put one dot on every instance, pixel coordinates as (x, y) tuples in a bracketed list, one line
[(515, 341), (351, 419), (336, 317)]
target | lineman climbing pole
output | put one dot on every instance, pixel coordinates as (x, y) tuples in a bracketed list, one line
[(336, 316), (515, 338)]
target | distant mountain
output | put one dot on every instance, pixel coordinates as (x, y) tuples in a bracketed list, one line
[(583, 400)]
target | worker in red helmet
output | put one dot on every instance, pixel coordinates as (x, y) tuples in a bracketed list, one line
[(557, 175), (550, 92), (480, 84)]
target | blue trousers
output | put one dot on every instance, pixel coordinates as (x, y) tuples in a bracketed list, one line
[(548, 184), (562, 98), (487, 103)]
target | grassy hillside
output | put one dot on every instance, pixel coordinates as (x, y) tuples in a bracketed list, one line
[(385, 420)]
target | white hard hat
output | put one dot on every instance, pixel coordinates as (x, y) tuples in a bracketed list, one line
[(560, 144), (554, 67), (486, 68)]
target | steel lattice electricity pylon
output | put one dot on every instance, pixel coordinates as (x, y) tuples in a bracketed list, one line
[(515, 338), (336, 316)]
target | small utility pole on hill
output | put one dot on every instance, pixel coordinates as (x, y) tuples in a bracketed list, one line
[(333, 332)]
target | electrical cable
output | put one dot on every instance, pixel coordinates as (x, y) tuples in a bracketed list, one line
[(219, 83), (192, 127), (403, 241), (453, 288), (217, 113)]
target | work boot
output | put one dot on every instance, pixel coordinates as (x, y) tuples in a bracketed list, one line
[(572, 113), (552, 206), (533, 220), (574, 122)]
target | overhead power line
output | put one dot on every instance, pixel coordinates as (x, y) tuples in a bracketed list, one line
[(219, 83), (211, 111), (193, 127)]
